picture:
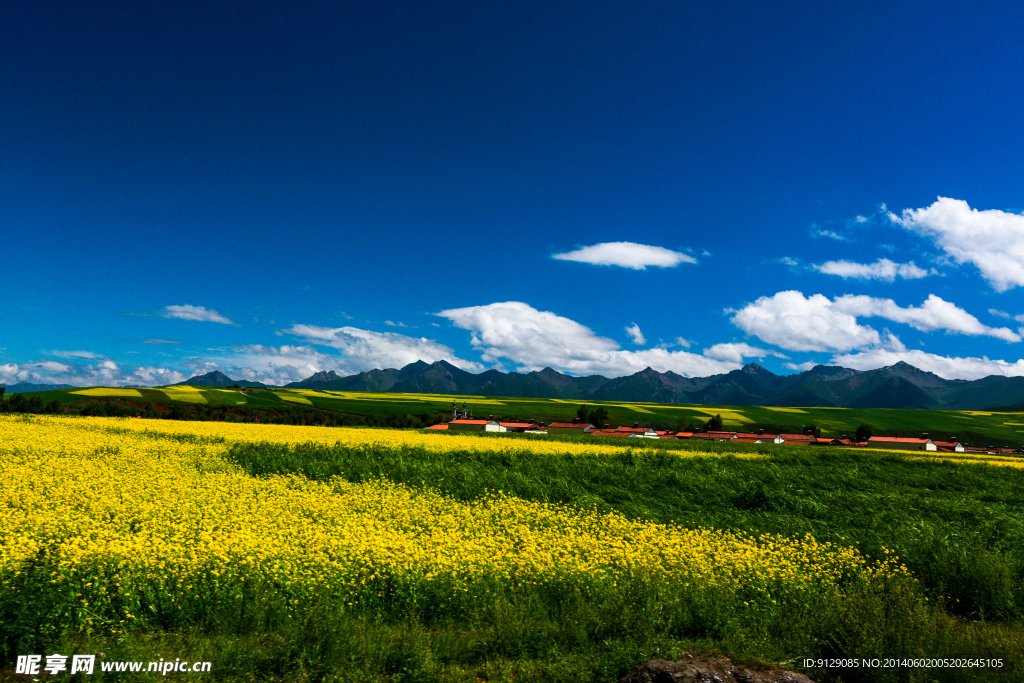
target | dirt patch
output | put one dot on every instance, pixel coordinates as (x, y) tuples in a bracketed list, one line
[(697, 668)]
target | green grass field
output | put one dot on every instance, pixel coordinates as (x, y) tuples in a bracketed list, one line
[(974, 427)]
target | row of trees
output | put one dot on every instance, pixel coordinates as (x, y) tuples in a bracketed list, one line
[(289, 414), (19, 404), (597, 416)]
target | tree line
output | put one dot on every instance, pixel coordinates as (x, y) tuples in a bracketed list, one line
[(288, 414)]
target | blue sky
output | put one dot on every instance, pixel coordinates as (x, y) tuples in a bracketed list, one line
[(272, 188)]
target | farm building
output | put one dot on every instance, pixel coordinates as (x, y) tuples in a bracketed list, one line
[(901, 443), (574, 427), (465, 425)]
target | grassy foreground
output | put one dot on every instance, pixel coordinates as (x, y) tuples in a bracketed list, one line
[(392, 556)]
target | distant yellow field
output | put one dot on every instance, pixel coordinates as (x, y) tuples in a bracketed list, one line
[(294, 399), (110, 391), (186, 394), (728, 416)]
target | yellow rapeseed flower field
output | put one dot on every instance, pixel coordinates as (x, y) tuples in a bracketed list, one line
[(131, 520)]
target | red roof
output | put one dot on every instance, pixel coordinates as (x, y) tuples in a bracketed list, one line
[(576, 425), (470, 422), (897, 439), (743, 439), (517, 424), (443, 425)]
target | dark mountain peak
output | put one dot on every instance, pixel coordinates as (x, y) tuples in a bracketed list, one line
[(916, 376), (210, 379), (548, 372), (322, 376), (755, 369), (413, 368), (216, 379)]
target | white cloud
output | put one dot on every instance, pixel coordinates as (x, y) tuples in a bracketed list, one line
[(159, 341), (199, 313), (798, 323), (789, 261), (801, 367), (627, 255), (949, 367), (636, 335), (992, 240), (365, 349), (1004, 314), (105, 373), (831, 234), (737, 352), (685, 343), (861, 219), (535, 339), (73, 354), (275, 365), (882, 269), (934, 314)]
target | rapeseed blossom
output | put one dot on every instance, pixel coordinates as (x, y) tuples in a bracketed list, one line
[(132, 520)]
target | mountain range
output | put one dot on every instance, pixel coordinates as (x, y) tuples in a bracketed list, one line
[(897, 386), (26, 387)]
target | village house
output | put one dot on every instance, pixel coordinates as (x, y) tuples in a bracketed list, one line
[(902, 443), (574, 427), (466, 425)]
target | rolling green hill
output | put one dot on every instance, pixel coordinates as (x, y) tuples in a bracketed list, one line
[(975, 427)]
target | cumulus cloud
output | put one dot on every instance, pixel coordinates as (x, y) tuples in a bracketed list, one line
[(275, 365), (199, 313), (365, 349), (626, 255), (991, 240), (801, 367), (105, 373), (636, 335), (737, 352), (949, 367), (882, 269), (934, 314), (798, 323), (792, 321), (534, 339)]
